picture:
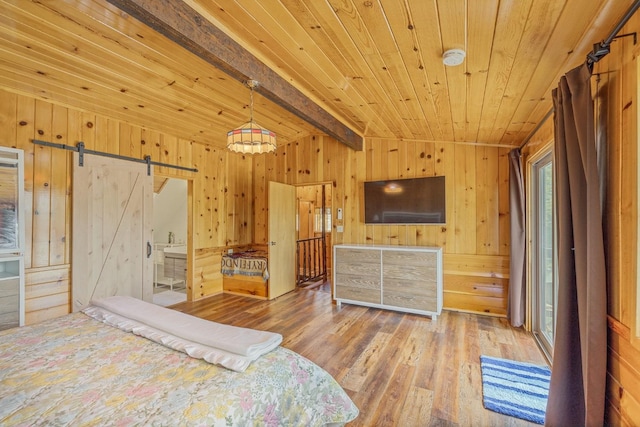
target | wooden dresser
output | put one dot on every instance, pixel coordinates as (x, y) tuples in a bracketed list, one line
[(401, 278)]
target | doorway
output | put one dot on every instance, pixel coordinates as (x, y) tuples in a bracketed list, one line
[(544, 277), (169, 240), (313, 224)]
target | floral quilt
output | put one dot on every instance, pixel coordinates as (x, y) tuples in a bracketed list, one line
[(77, 371)]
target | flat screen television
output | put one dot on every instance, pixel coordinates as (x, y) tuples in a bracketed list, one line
[(405, 201)]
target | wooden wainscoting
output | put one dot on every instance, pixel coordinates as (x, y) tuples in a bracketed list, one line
[(623, 375), (207, 277), (47, 291), (476, 283)]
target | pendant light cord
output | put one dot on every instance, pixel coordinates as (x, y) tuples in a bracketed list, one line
[(251, 104), (251, 84)]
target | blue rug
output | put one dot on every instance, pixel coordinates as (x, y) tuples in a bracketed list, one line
[(514, 388)]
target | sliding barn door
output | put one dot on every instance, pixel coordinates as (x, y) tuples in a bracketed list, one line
[(282, 239), (112, 230)]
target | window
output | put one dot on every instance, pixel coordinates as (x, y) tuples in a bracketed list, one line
[(317, 227), (544, 289)]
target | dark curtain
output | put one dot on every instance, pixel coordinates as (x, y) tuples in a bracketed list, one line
[(517, 271), (577, 389)]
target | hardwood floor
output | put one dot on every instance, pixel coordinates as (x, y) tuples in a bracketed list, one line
[(399, 369)]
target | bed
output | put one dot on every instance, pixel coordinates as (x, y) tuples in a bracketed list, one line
[(246, 273), (81, 370)]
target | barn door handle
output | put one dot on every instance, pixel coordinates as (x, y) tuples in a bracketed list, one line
[(148, 250)]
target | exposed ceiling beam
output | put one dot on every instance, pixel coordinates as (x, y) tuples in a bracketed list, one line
[(177, 21)]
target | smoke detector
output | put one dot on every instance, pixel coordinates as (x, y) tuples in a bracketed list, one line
[(453, 57)]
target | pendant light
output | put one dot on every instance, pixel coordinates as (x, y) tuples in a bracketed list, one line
[(251, 138)]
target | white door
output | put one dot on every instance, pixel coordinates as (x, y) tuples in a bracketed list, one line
[(112, 229), (282, 239)]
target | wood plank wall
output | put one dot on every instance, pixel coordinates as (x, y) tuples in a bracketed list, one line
[(476, 236), (616, 96), (221, 192), (615, 93)]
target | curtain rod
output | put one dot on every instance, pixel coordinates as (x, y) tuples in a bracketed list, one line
[(601, 49), (79, 148)]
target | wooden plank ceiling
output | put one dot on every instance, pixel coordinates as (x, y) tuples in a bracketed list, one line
[(374, 65)]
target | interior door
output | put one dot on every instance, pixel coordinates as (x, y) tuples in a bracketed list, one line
[(112, 230), (282, 239)]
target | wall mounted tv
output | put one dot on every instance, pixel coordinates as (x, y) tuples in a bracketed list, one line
[(405, 201)]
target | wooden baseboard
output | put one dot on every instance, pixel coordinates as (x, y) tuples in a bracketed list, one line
[(477, 313)]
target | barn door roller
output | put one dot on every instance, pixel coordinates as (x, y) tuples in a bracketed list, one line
[(81, 150)]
